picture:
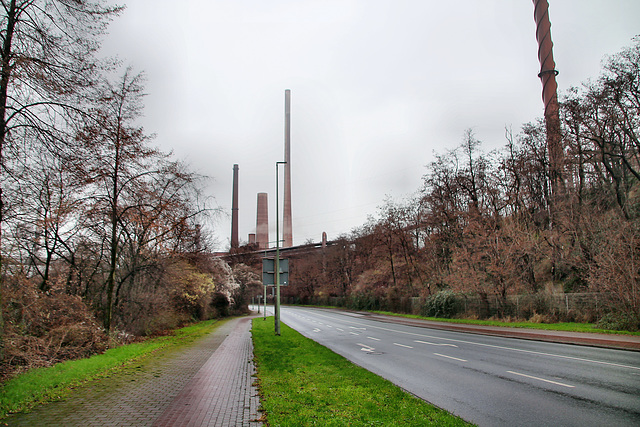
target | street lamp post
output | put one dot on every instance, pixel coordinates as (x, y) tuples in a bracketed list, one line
[(264, 302), (277, 262), (264, 289)]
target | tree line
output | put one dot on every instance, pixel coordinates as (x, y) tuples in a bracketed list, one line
[(488, 225), (102, 234)]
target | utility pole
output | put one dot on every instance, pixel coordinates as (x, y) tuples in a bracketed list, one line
[(277, 260)]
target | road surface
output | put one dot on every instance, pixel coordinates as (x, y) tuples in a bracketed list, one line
[(490, 381)]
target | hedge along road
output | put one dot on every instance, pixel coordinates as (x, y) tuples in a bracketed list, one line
[(490, 381)]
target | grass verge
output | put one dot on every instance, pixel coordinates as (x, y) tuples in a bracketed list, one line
[(48, 384), (567, 326), (303, 383)]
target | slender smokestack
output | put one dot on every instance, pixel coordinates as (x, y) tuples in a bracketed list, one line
[(252, 238), (287, 223), (548, 75), (262, 222), (234, 210)]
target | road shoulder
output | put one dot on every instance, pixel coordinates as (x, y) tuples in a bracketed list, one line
[(623, 342)]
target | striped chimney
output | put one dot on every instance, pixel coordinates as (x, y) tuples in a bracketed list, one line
[(262, 222), (548, 75)]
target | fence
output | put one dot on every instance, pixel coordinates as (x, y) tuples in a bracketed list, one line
[(566, 306), (584, 307)]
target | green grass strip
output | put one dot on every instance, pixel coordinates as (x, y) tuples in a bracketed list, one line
[(48, 384), (303, 383), (567, 326)]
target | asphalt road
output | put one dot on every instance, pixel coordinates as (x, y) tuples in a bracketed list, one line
[(490, 381)]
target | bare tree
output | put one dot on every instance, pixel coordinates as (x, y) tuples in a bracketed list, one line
[(119, 161), (603, 120), (46, 60), (49, 217)]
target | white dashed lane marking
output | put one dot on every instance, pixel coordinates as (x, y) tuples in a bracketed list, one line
[(433, 343), (450, 357), (402, 345), (541, 379)]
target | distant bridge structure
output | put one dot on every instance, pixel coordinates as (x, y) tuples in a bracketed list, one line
[(286, 252)]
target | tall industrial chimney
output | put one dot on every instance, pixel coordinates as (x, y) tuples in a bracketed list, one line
[(262, 222), (548, 75), (287, 223), (234, 210)]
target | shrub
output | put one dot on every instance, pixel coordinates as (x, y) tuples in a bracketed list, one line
[(443, 304), (220, 304), (191, 291), (43, 328), (619, 322), (164, 321)]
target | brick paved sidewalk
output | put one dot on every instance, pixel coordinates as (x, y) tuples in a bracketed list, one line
[(208, 384)]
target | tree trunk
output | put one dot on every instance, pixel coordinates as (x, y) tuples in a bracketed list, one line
[(111, 280), (5, 75)]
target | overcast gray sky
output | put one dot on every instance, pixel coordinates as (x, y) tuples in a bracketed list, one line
[(376, 87)]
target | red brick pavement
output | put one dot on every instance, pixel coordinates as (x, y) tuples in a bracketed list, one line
[(207, 384), (221, 393)]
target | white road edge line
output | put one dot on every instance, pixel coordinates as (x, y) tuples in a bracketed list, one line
[(450, 357), (402, 345), (541, 379)]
